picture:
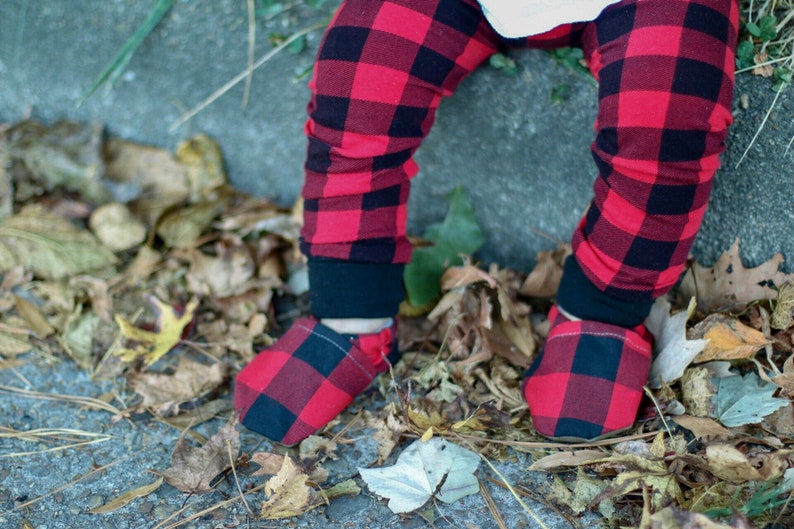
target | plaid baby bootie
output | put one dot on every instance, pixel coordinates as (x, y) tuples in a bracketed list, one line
[(588, 381), (304, 380)]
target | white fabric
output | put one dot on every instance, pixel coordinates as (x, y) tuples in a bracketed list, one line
[(521, 18)]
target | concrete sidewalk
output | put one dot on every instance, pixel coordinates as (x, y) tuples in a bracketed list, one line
[(524, 160)]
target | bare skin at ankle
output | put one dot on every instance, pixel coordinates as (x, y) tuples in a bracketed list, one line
[(356, 325)]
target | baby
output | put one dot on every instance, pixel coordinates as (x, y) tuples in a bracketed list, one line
[(665, 77)]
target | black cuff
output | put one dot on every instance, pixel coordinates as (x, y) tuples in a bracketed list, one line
[(345, 289), (579, 297)]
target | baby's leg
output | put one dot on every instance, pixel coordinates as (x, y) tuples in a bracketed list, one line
[(380, 74), (665, 72)]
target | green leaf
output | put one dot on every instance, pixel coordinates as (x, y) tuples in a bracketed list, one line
[(744, 400), (425, 469), (765, 29), (458, 234)]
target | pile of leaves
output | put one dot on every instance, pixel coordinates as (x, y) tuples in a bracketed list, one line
[(144, 266)]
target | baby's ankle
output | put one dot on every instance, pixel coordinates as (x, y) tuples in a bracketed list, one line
[(357, 325)]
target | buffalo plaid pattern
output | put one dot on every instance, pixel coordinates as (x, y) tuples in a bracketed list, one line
[(588, 381), (665, 72), (303, 381)]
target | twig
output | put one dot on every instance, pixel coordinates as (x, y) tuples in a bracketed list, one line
[(251, 44), (515, 494), (530, 445), (66, 486), (497, 516), (239, 77), (758, 130), (236, 480), (85, 401)]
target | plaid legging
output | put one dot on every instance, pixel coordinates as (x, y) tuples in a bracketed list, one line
[(665, 77)]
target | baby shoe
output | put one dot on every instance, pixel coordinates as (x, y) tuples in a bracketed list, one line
[(588, 381), (306, 378)]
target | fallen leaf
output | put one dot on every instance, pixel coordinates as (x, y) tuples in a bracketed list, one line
[(269, 463), (181, 227), (672, 518), (49, 246), (150, 346), (149, 176), (117, 227), (786, 379), (702, 427), (728, 339), (459, 233), (66, 154), (697, 392), (224, 274), (486, 418), (33, 316), (730, 464), (127, 498), (744, 400), (783, 314), (544, 279), (425, 469), (194, 468), (573, 458), (673, 351), (203, 162), (729, 286), (287, 493), (191, 380)]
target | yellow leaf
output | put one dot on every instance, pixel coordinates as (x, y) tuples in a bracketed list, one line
[(150, 346), (288, 494), (728, 339), (127, 498)]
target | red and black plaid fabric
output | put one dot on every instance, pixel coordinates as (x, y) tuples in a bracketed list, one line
[(587, 382), (665, 72), (299, 384)]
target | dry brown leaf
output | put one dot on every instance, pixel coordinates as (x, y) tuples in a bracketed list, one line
[(127, 498), (729, 286), (545, 278), (148, 174), (34, 318), (762, 68), (574, 458), (461, 276), (728, 339), (181, 227), (268, 462), (224, 274), (164, 393), (194, 468), (486, 418), (702, 427), (288, 494)]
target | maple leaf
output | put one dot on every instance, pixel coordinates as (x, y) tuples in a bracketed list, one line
[(152, 345), (425, 469), (194, 468), (728, 285)]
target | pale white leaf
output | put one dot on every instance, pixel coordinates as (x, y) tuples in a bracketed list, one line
[(745, 400), (425, 469), (673, 351)]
